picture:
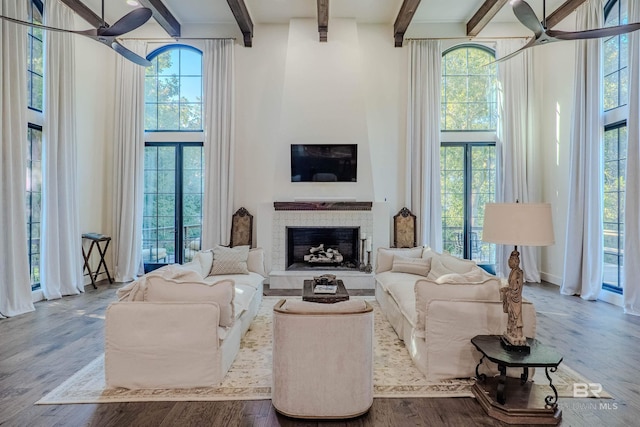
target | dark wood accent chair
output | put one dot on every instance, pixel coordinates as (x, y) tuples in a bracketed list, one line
[(404, 229), (241, 228)]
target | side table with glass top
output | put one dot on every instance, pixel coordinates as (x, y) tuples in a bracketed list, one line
[(519, 405)]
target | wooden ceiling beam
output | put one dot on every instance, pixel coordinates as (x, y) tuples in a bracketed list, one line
[(405, 15), (84, 12), (483, 15), (323, 19), (563, 11), (163, 17), (240, 12)]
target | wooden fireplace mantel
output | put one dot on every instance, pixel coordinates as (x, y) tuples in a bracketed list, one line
[(322, 206)]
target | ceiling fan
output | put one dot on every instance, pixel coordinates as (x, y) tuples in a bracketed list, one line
[(106, 34), (542, 35)]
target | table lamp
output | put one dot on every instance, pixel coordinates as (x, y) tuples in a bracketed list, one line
[(518, 224)]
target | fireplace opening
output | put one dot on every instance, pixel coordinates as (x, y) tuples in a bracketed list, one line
[(332, 248)]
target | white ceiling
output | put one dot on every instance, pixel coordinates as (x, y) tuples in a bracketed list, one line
[(282, 11)]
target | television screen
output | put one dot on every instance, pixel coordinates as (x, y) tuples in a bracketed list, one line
[(324, 162)]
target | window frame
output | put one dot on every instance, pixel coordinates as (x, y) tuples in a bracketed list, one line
[(620, 69), (35, 121), (151, 56), (468, 192), (613, 118), (178, 194), (443, 102), (33, 127), (38, 4)]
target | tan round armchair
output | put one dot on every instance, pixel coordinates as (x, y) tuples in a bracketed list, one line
[(322, 359)]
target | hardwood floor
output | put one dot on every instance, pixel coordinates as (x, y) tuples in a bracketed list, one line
[(39, 350)]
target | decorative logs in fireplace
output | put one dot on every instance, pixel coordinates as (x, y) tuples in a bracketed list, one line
[(322, 247), (320, 255)]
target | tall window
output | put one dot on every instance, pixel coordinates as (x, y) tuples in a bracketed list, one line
[(35, 74), (34, 201), (173, 90), (173, 179), (616, 57), (615, 157), (468, 181), (35, 91), (469, 100), (615, 80), (467, 153)]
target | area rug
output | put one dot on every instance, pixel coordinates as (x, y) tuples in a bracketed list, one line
[(395, 375)]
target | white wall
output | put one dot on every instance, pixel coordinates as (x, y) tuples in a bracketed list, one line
[(95, 68), (351, 89), (555, 68)]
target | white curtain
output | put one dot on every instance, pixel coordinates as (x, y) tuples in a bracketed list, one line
[(128, 169), (219, 132), (61, 251), (631, 268), (515, 145), (15, 283), (423, 140), (583, 251)]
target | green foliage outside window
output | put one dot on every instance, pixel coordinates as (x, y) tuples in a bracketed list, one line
[(34, 202), (469, 97), (615, 51), (35, 73), (173, 91)]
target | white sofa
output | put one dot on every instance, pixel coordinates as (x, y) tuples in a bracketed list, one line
[(436, 303), (180, 326)]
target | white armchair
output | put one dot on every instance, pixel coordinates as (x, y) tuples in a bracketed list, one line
[(322, 359)]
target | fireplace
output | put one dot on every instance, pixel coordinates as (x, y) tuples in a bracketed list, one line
[(333, 248)]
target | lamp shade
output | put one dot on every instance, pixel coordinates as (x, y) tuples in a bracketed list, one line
[(519, 224)]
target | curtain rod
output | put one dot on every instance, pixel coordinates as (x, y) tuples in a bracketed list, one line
[(174, 39), (469, 38)]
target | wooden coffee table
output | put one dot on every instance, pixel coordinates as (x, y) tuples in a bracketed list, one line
[(308, 295)]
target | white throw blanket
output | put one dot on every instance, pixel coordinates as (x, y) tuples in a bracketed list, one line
[(134, 291)]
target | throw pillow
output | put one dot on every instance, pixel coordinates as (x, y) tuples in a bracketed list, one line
[(437, 268), (417, 266), (230, 260), (203, 259), (160, 289), (384, 258), (255, 261)]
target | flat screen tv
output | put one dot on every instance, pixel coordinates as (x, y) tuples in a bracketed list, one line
[(324, 162)]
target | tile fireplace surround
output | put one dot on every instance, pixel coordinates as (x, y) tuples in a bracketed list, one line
[(368, 216)]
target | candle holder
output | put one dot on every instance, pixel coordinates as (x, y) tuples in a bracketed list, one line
[(368, 268), (362, 265)]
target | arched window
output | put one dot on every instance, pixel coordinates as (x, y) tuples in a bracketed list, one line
[(469, 96), (173, 165), (173, 89), (467, 153), (615, 81)]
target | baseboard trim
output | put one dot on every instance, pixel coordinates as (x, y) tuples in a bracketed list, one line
[(551, 278)]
